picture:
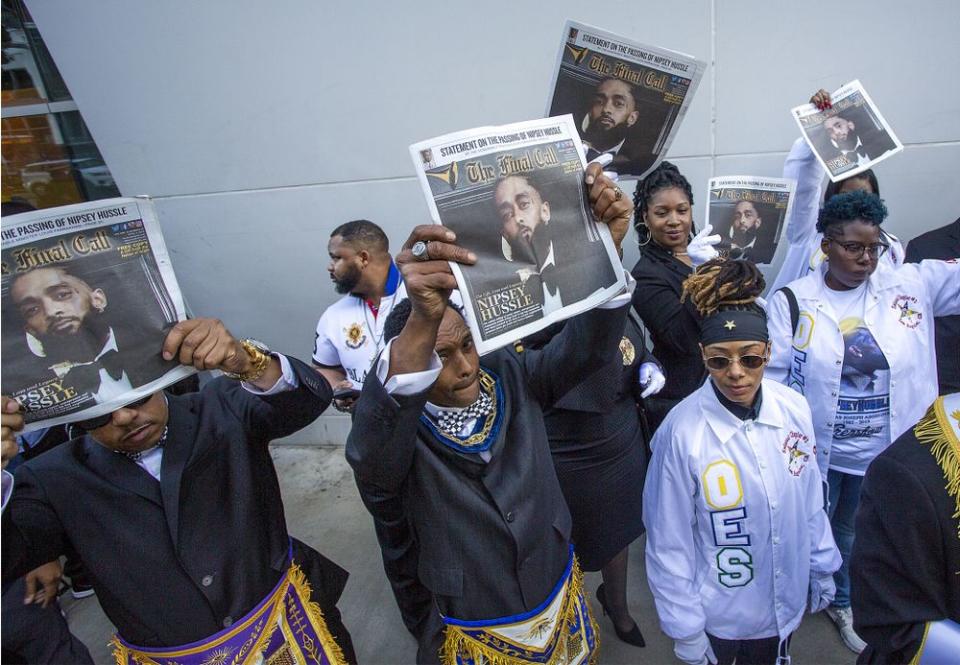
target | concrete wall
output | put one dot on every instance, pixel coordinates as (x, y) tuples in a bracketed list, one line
[(260, 126)]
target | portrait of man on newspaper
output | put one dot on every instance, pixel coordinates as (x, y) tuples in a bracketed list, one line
[(71, 336), (538, 232)]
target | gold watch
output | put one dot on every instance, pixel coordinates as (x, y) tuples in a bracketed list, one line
[(259, 360)]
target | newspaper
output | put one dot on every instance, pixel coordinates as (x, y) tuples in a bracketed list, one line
[(88, 295), (850, 137), (515, 196), (748, 213), (626, 98)]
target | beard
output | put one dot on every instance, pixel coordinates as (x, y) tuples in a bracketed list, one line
[(80, 347), (601, 138), (743, 238), (348, 282), (532, 250)]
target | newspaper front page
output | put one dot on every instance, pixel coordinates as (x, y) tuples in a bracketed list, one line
[(749, 213), (626, 98), (515, 196), (88, 296), (850, 137)]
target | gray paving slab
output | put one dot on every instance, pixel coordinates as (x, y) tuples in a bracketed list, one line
[(323, 509)]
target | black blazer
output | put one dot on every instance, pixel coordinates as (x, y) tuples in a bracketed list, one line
[(494, 536), (942, 243), (906, 555), (174, 561), (674, 327)]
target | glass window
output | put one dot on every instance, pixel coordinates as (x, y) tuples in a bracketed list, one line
[(49, 157)]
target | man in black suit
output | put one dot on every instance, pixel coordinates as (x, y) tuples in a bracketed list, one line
[(174, 506), (69, 336), (905, 589), (942, 243), (464, 444), (545, 243)]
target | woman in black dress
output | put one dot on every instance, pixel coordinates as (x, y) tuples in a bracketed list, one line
[(600, 454), (663, 219)]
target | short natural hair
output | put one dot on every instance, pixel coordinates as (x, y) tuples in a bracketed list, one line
[(364, 234), (850, 206)]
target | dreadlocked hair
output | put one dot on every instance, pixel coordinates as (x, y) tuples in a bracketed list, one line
[(664, 176), (724, 284)]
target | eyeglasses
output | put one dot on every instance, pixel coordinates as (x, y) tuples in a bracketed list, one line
[(96, 423), (720, 363), (855, 250)]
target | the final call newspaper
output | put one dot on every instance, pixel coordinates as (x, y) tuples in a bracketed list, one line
[(850, 137), (88, 296), (514, 195), (626, 98), (748, 213)]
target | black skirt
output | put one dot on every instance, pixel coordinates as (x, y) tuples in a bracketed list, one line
[(601, 461)]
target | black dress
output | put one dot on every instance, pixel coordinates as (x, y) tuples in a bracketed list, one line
[(674, 326), (600, 453)]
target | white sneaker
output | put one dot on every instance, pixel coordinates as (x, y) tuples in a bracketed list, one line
[(842, 617)]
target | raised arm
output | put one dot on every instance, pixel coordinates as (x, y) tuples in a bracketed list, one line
[(383, 438), (276, 395)]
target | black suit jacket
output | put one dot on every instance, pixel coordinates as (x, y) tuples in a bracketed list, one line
[(674, 326), (494, 536), (174, 561), (942, 243), (905, 566)]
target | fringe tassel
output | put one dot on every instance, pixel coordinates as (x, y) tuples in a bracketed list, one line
[(458, 645), (299, 581), (935, 431)]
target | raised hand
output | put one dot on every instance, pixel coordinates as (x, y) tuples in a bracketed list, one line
[(610, 205), (426, 273)]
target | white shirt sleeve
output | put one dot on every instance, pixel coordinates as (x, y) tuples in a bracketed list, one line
[(7, 478), (669, 513), (623, 298), (406, 384), (941, 280), (287, 381), (324, 350), (801, 233)]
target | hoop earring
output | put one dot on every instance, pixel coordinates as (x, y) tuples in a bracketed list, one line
[(646, 233)]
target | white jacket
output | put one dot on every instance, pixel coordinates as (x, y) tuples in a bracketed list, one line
[(901, 305), (803, 249), (734, 516)]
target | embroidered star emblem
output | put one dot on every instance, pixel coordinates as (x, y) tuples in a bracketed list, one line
[(729, 325)]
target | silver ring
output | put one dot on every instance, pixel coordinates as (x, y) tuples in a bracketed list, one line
[(420, 251), (617, 193)]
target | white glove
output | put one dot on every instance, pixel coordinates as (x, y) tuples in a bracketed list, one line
[(695, 650), (652, 379), (603, 160), (822, 591), (700, 250)]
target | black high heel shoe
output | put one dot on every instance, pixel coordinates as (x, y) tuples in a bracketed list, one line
[(632, 636)]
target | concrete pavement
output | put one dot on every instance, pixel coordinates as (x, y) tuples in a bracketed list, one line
[(323, 509)]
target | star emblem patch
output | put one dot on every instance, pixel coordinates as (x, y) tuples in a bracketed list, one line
[(729, 325)]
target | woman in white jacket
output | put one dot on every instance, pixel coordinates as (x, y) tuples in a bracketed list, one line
[(862, 353), (737, 539), (803, 248)]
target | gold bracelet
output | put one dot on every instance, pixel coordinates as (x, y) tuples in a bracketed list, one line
[(258, 359)]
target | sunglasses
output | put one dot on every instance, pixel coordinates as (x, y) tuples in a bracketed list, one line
[(720, 363), (98, 422)]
